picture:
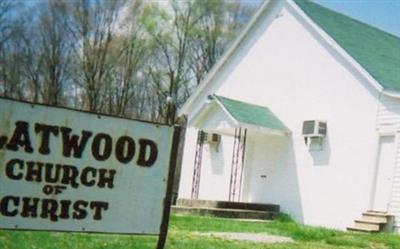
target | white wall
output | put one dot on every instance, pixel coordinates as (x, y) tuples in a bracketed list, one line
[(185, 185), (388, 113), (215, 168), (289, 71), (388, 121), (271, 173), (298, 79), (216, 160)]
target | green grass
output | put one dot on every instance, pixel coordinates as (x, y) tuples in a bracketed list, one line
[(181, 236)]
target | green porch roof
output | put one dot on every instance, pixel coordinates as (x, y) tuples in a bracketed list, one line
[(251, 114), (377, 51)]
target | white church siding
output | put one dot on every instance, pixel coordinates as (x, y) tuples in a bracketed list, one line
[(216, 169), (394, 206), (289, 71), (271, 173), (299, 75), (216, 160), (189, 153), (388, 113), (388, 120)]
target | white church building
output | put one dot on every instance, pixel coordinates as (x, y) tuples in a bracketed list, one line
[(302, 111)]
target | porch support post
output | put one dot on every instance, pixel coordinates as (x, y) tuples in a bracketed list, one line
[(242, 168), (231, 186), (235, 184), (197, 165)]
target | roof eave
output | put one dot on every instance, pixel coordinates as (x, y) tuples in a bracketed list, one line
[(240, 124), (391, 93), (264, 130), (235, 123), (197, 119), (232, 118)]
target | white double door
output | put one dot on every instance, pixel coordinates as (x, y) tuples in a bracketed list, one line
[(384, 173)]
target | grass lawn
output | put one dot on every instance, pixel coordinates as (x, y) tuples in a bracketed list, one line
[(181, 236)]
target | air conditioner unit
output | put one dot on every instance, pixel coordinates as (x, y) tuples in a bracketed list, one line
[(314, 128), (314, 132), (213, 138)]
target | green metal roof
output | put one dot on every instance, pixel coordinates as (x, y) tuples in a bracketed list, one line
[(252, 114), (377, 51)]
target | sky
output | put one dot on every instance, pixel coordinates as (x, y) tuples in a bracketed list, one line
[(383, 14)]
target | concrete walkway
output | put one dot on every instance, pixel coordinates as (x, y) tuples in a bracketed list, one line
[(254, 237)]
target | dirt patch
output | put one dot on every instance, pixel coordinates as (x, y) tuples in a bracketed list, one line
[(254, 237), (255, 220)]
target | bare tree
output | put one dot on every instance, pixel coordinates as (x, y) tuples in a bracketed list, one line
[(11, 84), (220, 22), (129, 55), (171, 31), (129, 58), (94, 27), (10, 56), (31, 60), (190, 37), (6, 23), (55, 50)]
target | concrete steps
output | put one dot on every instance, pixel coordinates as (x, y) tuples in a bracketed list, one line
[(371, 222), (239, 210)]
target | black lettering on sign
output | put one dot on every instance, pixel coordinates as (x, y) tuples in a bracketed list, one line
[(64, 209), (127, 144), (98, 207), (20, 138), (85, 176), (107, 146), (46, 131), (105, 178), (28, 209), (10, 172), (34, 171), (3, 141), (74, 143), (49, 209), (147, 147), (48, 189), (70, 175), (6, 208), (79, 210), (52, 173)]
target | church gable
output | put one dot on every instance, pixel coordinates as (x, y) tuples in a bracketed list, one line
[(373, 62)]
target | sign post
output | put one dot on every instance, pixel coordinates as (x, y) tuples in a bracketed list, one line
[(168, 198), (67, 170)]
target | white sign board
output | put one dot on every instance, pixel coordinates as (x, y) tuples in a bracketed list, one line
[(66, 170)]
